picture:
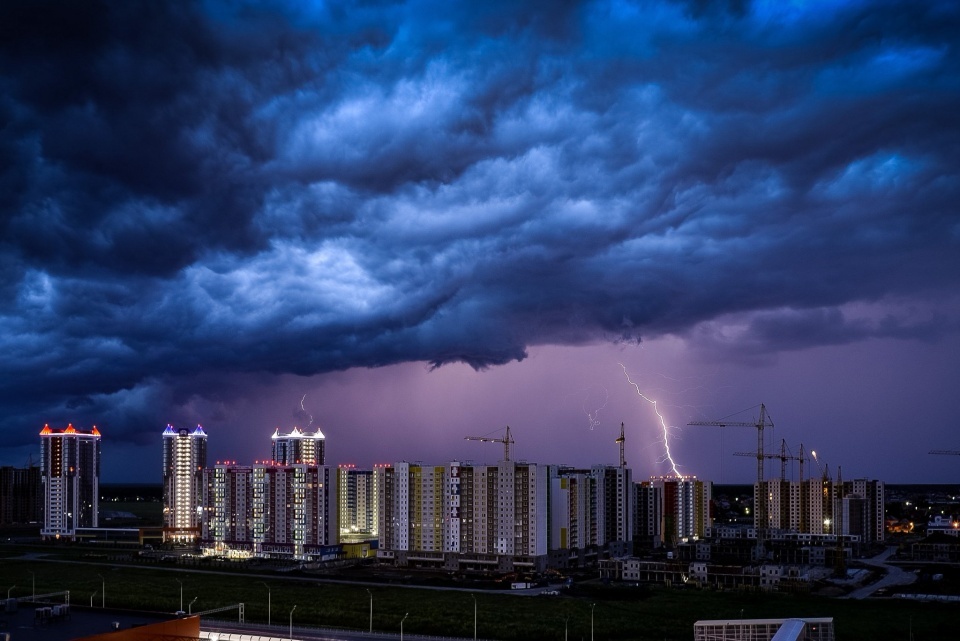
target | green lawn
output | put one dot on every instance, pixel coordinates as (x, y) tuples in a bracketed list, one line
[(619, 614)]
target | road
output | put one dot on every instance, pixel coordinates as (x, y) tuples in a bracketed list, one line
[(894, 576)]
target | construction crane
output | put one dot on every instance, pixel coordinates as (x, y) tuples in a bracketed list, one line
[(783, 456), (507, 440), (622, 440), (764, 421), (824, 469)]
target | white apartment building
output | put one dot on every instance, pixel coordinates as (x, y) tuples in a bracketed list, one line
[(269, 509), (70, 472), (184, 459), (591, 508), (479, 515), (358, 513), (299, 446)]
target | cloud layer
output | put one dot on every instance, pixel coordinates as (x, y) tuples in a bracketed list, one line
[(194, 194)]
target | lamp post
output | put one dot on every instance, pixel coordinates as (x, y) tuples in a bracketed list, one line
[(592, 606), (190, 607), (181, 594), (291, 622), (33, 584), (401, 624), (474, 597), (371, 609), (91, 598), (103, 591), (10, 590), (269, 603), (566, 627)]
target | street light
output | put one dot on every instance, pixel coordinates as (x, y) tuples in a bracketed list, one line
[(401, 624), (190, 607), (592, 606), (291, 622), (181, 595), (103, 591), (33, 584), (10, 590), (269, 603), (371, 609), (473, 596), (566, 627), (91, 598)]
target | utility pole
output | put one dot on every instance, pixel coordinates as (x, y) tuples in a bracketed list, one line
[(371, 609)]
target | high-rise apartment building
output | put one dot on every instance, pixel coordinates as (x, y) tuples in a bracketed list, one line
[(184, 459), (591, 509), (21, 495), (268, 509), (647, 511), (70, 469), (616, 490), (820, 506), (870, 494), (299, 447), (357, 504), (464, 516), (673, 509)]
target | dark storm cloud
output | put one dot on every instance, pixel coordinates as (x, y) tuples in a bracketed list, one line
[(203, 193)]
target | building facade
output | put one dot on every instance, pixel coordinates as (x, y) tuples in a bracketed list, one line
[(21, 495), (464, 516), (268, 509), (591, 510), (298, 447), (672, 510), (70, 470), (821, 506), (184, 459), (358, 514)]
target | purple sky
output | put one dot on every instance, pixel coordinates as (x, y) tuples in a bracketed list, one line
[(435, 219)]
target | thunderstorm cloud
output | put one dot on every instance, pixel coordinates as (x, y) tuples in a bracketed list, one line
[(200, 192)]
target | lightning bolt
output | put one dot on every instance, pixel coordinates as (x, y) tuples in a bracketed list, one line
[(594, 417), (304, 410), (663, 421)]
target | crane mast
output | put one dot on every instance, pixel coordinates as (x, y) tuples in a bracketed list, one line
[(761, 506), (621, 441)]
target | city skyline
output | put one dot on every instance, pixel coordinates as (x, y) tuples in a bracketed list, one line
[(410, 223)]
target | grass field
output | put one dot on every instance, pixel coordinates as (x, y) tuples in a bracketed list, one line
[(148, 512), (641, 614)]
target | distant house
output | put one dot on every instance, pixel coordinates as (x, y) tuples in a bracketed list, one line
[(938, 547)]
